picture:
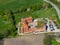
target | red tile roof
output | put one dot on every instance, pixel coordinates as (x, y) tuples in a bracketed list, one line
[(27, 29)]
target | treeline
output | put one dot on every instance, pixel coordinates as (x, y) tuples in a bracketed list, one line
[(55, 1)]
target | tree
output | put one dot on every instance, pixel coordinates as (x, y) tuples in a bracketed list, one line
[(47, 40), (1, 36)]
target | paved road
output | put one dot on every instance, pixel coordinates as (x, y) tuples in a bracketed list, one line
[(56, 8), (25, 40)]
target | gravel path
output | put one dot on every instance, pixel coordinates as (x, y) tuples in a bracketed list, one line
[(55, 7)]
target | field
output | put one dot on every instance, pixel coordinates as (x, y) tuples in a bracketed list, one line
[(14, 4)]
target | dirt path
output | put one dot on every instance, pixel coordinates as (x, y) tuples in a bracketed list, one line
[(25, 40), (54, 6)]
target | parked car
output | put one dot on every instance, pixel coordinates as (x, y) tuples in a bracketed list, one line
[(52, 28)]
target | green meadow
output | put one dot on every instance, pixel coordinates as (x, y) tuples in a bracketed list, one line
[(14, 4)]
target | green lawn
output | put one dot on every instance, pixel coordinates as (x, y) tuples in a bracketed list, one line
[(14, 4), (43, 13), (54, 42)]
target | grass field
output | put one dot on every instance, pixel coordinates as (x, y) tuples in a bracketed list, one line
[(14, 4), (43, 13), (54, 42)]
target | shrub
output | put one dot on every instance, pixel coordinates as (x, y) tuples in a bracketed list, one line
[(47, 40)]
